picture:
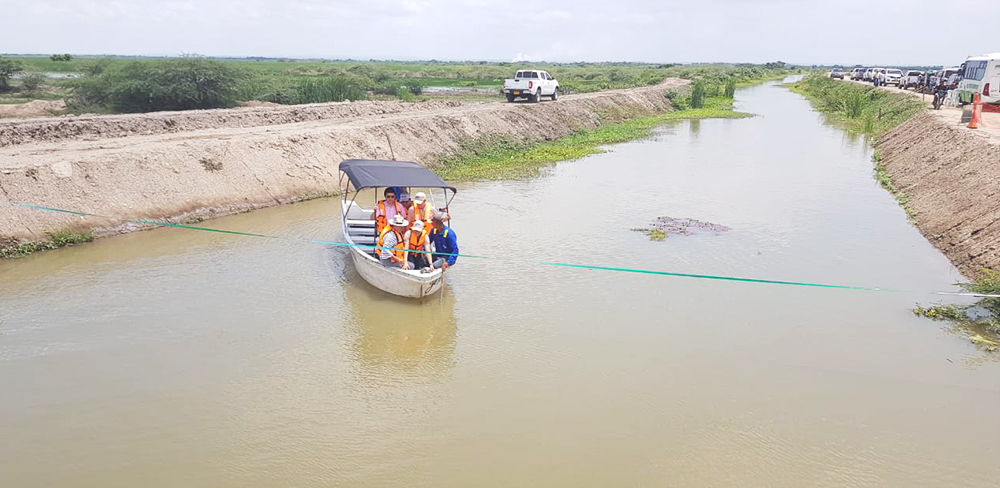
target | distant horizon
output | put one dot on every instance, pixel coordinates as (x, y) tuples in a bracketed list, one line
[(433, 60)]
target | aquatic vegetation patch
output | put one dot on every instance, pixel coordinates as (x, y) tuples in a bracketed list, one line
[(496, 157), (654, 234), (979, 322), (12, 248), (661, 227)]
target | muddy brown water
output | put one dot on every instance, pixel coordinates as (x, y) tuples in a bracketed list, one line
[(180, 358)]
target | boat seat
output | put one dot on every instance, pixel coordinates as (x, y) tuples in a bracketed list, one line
[(361, 231), (361, 223)]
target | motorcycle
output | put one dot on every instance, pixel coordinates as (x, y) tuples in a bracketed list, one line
[(940, 93)]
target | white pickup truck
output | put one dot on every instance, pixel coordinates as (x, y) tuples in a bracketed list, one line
[(531, 84)]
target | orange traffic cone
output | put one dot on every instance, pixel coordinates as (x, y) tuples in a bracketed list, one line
[(977, 108)]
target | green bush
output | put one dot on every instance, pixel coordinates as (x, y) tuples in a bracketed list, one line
[(32, 82), (404, 94), (698, 94), (61, 57), (730, 89), (8, 68), (149, 86)]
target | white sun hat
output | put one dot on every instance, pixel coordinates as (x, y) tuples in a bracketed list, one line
[(399, 220), (419, 197), (418, 225)]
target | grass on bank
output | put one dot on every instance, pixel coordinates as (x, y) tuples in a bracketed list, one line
[(501, 157), (858, 108), (56, 240)]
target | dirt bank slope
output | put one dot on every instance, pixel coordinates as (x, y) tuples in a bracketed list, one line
[(235, 165), (952, 177)]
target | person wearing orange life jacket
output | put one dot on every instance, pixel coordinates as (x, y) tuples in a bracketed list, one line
[(386, 210), (418, 241), (391, 243), (421, 210)]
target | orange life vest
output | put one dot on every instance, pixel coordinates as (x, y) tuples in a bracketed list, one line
[(417, 240), (380, 218), (397, 251), (427, 217)]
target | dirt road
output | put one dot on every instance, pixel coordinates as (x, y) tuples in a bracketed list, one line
[(193, 165)]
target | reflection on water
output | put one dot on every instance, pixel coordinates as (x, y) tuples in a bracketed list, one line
[(695, 127), (397, 338)]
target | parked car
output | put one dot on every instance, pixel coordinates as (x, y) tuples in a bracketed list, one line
[(857, 73), (837, 73), (951, 76), (531, 84), (911, 78), (891, 76), (982, 75)]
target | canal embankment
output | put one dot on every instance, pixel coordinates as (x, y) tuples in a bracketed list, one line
[(189, 166)]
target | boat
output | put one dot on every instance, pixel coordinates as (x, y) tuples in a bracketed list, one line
[(359, 175)]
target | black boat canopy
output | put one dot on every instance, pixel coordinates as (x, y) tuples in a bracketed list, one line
[(365, 173)]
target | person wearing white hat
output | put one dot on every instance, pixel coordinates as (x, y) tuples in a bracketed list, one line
[(421, 210), (418, 241), (391, 243)]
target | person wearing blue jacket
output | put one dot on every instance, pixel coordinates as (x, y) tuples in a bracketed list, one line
[(445, 243)]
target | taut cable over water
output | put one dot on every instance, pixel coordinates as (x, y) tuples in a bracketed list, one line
[(472, 256)]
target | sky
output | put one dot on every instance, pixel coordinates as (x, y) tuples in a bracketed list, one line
[(848, 32)]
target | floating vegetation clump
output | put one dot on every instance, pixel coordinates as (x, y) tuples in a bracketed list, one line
[(664, 226), (979, 322)]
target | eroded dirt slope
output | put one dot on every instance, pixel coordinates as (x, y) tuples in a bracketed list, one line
[(225, 161), (952, 177)]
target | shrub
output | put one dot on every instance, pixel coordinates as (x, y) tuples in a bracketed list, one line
[(8, 68), (181, 84), (730, 89), (698, 94), (404, 94), (415, 87), (32, 82), (61, 57)]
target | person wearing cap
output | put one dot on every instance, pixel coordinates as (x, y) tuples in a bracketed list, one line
[(421, 210), (418, 241), (386, 210), (391, 243), (445, 243)]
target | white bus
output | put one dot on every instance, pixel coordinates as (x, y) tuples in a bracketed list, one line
[(982, 75)]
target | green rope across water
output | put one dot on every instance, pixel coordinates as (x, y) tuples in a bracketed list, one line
[(546, 263)]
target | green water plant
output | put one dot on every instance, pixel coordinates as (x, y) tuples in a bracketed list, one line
[(501, 157), (57, 239)]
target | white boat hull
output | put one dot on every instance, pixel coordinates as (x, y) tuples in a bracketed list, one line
[(412, 284)]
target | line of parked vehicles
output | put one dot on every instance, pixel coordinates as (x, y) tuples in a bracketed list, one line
[(978, 74)]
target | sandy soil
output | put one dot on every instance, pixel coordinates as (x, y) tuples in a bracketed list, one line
[(952, 177), (34, 108), (192, 165)]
